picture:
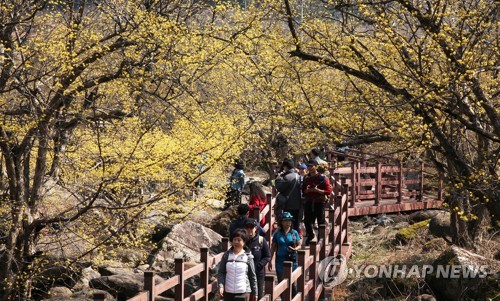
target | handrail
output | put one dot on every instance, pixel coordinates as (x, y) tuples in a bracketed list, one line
[(308, 266)]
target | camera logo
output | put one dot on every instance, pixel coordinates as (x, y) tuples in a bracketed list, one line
[(333, 271)]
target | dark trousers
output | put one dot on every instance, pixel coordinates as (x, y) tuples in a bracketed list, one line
[(233, 197), (294, 286), (236, 297), (313, 212), (260, 286)]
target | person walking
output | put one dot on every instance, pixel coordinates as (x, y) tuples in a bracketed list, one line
[(261, 253), (316, 189), (288, 185), (239, 222), (236, 277), (257, 199), (286, 243), (236, 184)]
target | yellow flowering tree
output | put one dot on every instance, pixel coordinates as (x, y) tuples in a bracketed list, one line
[(109, 114), (419, 74)]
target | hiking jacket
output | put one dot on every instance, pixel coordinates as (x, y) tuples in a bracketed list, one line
[(237, 273), (289, 185), (261, 253), (322, 182)]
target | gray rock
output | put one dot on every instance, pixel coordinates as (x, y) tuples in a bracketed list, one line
[(59, 293), (220, 223), (88, 294), (87, 274), (440, 225), (470, 276), (122, 286), (422, 215), (384, 221), (115, 268), (426, 297), (184, 241)]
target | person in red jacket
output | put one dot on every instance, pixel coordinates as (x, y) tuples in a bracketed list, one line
[(316, 190), (257, 199)]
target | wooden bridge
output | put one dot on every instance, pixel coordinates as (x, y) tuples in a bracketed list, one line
[(361, 187), (382, 184)]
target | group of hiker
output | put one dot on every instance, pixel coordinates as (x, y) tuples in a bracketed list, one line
[(242, 267), (303, 190)]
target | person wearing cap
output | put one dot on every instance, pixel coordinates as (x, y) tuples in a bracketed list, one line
[(261, 253), (285, 243), (316, 190), (239, 222), (288, 184)]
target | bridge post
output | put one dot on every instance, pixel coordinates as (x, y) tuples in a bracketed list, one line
[(353, 183), (322, 235), (269, 286), (149, 284), (378, 183), (301, 281), (313, 272), (358, 177), (331, 221), (400, 182), (179, 270), (205, 275), (269, 217), (421, 196), (342, 205), (287, 295), (99, 297)]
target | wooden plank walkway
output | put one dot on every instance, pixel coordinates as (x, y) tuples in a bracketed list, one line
[(359, 189)]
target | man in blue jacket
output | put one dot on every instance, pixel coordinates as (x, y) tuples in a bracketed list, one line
[(261, 253)]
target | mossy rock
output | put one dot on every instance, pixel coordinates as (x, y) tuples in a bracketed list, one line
[(411, 232), (483, 285)]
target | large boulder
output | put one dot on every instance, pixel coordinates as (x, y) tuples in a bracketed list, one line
[(87, 274), (60, 293), (412, 232), (221, 222), (440, 225), (122, 286), (115, 268), (184, 241), (422, 215), (458, 274)]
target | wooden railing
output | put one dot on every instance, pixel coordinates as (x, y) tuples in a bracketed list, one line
[(332, 241), (381, 181)]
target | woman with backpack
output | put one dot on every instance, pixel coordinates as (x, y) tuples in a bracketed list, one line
[(286, 243), (236, 277)]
